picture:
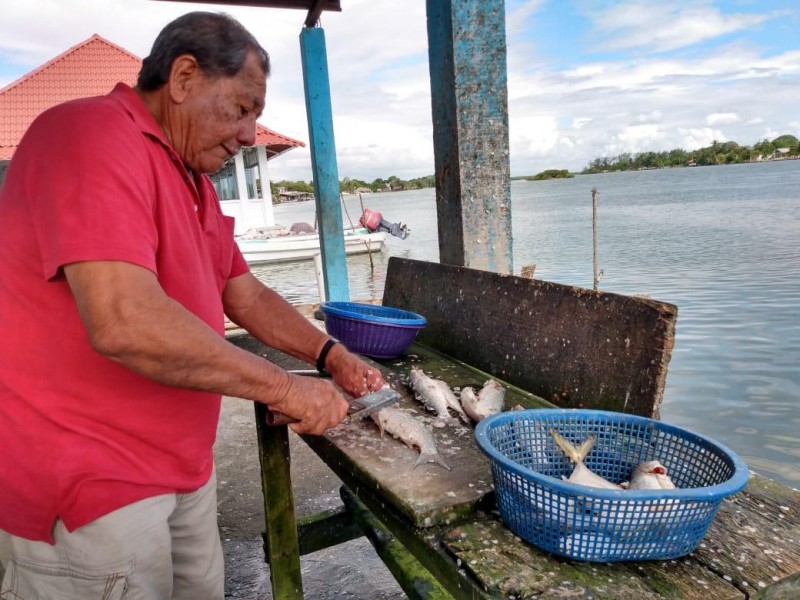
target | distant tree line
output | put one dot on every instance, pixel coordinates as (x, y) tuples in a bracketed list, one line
[(551, 174), (352, 186), (718, 153)]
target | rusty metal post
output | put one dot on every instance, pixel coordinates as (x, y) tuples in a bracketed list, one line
[(469, 97)]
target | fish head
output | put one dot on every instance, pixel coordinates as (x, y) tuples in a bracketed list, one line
[(651, 467), (468, 395)]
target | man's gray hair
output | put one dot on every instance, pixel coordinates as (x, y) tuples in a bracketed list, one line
[(217, 41)]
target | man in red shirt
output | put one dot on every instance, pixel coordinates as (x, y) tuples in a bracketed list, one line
[(117, 270)]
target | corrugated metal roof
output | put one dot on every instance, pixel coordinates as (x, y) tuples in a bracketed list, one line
[(91, 68)]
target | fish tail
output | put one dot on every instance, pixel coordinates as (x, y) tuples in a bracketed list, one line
[(435, 457), (586, 446), (576, 455)]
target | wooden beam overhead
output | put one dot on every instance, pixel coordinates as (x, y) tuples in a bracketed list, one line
[(309, 5), (312, 18)]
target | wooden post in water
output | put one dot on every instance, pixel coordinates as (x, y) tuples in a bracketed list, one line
[(596, 275)]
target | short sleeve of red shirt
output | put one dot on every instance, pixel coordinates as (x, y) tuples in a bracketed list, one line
[(89, 205)]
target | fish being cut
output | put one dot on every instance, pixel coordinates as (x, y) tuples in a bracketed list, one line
[(582, 474), (488, 401), (436, 395), (411, 432)]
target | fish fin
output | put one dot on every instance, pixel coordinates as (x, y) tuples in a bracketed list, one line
[(566, 447), (576, 455), (432, 457)]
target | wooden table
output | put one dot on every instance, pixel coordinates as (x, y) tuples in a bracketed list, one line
[(441, 537)]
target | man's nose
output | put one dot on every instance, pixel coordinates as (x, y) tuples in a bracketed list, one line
[(247, 132)]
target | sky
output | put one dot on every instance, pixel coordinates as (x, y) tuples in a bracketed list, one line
[(586, 78)]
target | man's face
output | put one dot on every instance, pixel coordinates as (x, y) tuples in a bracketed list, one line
[(220, 117)]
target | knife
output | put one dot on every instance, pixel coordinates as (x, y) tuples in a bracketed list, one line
[(358, 407)]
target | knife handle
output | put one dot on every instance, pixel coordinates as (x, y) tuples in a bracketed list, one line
[(277, 418)]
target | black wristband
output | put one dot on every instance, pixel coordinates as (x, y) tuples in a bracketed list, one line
[(323, 355)]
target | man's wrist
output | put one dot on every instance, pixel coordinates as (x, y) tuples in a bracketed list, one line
[(323, 356)]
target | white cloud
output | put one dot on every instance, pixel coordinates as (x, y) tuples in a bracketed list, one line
[(653, 116), (661, 26), (638, 135), (701, 137), (715, 119)]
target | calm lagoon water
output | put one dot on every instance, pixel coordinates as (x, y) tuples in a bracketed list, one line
[(722, 243)]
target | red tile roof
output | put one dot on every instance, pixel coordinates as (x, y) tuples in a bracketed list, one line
[(91, 68), (275, 142)]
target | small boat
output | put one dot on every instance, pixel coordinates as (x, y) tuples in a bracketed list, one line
[(276, 245)]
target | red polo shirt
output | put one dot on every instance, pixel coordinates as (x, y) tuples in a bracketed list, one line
[(81, 435)]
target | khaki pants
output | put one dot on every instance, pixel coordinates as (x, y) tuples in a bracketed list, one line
[(165, 547)]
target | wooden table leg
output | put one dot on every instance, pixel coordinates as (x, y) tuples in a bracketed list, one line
[(280, 537)]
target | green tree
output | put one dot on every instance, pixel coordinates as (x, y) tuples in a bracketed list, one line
[(785, 141)]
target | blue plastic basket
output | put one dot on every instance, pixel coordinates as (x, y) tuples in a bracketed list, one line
[(594, 524), (371, 329)]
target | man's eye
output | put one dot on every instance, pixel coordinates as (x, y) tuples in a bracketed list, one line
[(243, 111)]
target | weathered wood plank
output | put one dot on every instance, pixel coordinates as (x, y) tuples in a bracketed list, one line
[(755, 540), (325, 529), (506, 565), (572, 346), (752, 550), (281, 544), (417, 582), (423, 544)]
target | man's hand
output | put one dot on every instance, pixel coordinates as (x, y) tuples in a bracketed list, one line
[(351, 373), (315, 403)]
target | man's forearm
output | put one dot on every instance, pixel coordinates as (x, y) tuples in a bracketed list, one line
[(130, 320), (272, 320)]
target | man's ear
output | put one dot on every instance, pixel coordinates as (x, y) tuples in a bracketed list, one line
[(184, 74)]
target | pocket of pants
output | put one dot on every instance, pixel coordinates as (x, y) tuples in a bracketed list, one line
[(29, 580)]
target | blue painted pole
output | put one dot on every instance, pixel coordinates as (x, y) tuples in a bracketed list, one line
[(314, 59)]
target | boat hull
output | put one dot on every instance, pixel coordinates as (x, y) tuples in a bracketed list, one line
[(291, 248)]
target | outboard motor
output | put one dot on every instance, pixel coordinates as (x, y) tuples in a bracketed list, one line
[(374, 221)]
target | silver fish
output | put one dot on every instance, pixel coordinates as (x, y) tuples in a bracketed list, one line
[(411, 432), (488, 401), (649, 475), (436, 395), (582, 474)]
